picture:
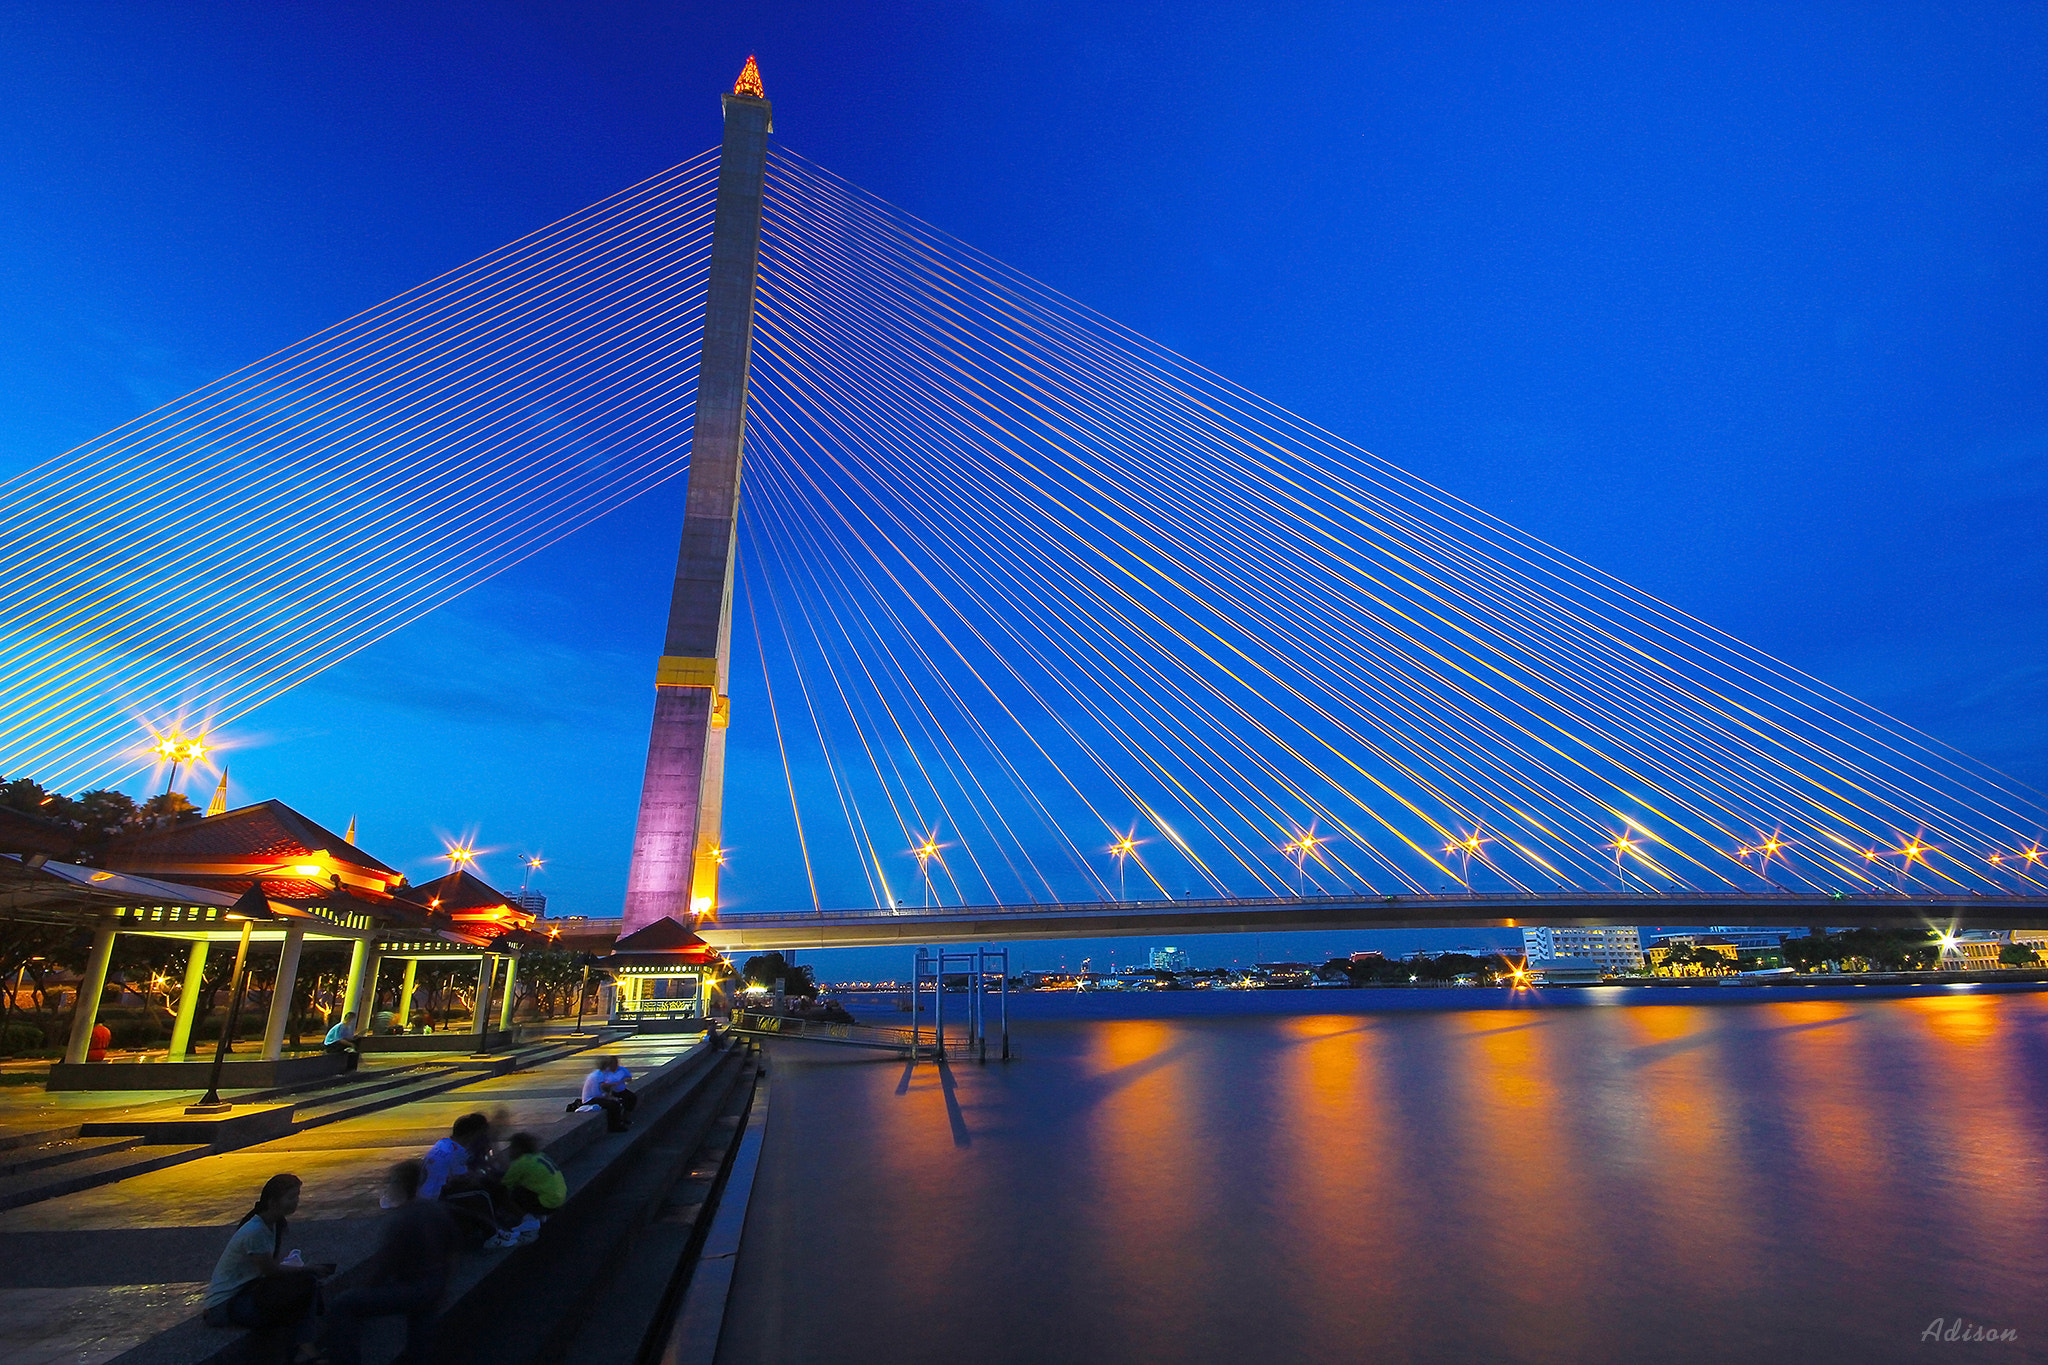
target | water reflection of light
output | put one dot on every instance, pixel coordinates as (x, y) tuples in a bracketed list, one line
[(1510, 1086), (1146, 1176), (1336, 1158), (1688, 1175)]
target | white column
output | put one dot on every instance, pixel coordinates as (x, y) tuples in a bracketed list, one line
[(89, 992), (357, 956), (505, 1014), (281, 993), (412, 970), (188, 1001), (367, 1005), (483, 993)]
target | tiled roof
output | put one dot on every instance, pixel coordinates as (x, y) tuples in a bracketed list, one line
[(269, 831), (458, 891), (665, 938)]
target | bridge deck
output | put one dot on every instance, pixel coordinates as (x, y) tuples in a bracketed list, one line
[(1274, 914)]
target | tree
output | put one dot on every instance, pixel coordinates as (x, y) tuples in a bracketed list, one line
[(764, 969), (2018, 955)]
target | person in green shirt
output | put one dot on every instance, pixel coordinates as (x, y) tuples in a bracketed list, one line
[(535, 1183)]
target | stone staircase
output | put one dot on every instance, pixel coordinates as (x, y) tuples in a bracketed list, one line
[(53, 1164)]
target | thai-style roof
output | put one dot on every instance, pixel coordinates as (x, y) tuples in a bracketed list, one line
[(664, 941), (469, 901), (294, 857)]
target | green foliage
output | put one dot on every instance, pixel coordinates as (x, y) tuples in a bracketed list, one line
[(1864, 950), (97, 815), (2018, 955), (765, 968), (17, 1038)]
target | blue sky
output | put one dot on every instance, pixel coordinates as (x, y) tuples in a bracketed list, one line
[(1744, 306)]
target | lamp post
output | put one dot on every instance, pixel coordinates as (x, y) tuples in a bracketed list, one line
[(175, 749), (1121, 850), (925, 852), (252, 906)]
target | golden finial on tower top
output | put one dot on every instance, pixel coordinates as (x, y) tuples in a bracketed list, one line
[(749, 82)]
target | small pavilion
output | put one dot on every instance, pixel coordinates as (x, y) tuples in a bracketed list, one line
[(665, 977)]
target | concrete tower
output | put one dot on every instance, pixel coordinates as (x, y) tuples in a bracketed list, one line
[(675, 843)]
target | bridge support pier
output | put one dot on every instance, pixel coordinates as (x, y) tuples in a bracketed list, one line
[(674, 872)]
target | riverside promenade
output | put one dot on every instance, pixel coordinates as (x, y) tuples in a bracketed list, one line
[(116, 1271)]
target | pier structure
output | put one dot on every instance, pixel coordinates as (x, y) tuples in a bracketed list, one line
[(674, 871)]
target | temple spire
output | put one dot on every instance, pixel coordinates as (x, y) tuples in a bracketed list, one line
[(749, 82), (219, 804)]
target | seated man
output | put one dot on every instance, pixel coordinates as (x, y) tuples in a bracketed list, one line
[(415, 1244), (342, 1038), (606, 1089), (459, 1174)]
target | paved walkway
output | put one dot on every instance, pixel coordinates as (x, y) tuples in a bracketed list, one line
[(91, 1274)]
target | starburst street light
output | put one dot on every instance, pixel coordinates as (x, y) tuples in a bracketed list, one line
[(460, 857), (1122, 850), (925, 853), (1301, 850), (175, 749)]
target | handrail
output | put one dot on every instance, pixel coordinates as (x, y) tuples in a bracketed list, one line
[(1819, 900)]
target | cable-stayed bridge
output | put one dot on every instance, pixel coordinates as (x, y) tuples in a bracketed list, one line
[(1035, 616)]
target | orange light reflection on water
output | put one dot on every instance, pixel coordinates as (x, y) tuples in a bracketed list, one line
[(1511, 1121), (1150, 1177)]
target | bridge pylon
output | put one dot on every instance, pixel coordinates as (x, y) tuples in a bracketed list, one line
[(674, 873)]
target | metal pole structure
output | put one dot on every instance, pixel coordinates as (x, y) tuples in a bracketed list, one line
[(980, 1005), (1004, 1002), (939, 1007), (212, 1102), (582, 995), (916, 999)]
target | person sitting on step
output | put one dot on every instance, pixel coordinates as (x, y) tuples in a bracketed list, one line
[(255, 1284), (535, 1183), (342, 1039), (606, 1088), (459, 1174)]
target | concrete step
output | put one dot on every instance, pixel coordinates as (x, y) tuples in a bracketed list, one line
[(14, 1141), (347, 1080), (418, 1084), (26, 1159), (32, 1187)]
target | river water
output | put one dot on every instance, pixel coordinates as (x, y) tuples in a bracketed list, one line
[(1445, 1176)]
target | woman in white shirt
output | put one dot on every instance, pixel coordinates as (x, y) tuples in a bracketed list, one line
[(254, 1284)]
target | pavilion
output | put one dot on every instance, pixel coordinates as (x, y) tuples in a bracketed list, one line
[(665, 975), (184, 879)]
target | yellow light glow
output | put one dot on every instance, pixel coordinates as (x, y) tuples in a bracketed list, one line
[(749, 82), (306, 869)]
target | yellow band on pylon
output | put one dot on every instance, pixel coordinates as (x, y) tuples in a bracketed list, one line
[(674, 670)]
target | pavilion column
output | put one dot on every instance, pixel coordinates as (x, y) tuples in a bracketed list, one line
[(412, 971), (281, 993), (358, 955), (367, 1006), (484, 965), (188, 1001), (505, 1012), (90, 990)]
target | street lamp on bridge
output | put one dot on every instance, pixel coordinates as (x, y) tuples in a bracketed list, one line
[(1122, 850)]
